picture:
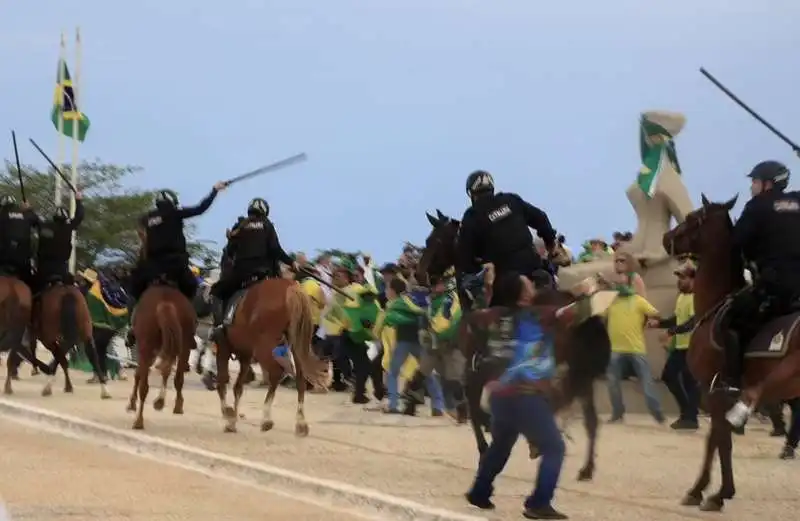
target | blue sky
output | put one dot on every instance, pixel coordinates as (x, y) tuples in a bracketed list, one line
[(396, 102)]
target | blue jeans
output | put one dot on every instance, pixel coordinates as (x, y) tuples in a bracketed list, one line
[(401, 352), (641, 368), (531, 416)]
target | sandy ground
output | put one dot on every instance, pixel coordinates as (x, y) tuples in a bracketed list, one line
[(48, 477), (643, 468)]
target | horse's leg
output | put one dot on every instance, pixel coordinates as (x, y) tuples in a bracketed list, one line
[(183, 367), (300, 426), (7, 389), (473, 393), (590, 423), (142, 374), (98, 366), (223, 377), (159, 402), (721, 430), (694, 497), (134, 391), (52, 368), (274, 376)]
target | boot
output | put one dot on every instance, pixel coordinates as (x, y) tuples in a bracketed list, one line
[(414, 394), (218, 333), (130, 339), (732, 366)]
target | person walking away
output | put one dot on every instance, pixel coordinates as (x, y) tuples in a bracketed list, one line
[(519, 405), (676, 375), (626, 318)]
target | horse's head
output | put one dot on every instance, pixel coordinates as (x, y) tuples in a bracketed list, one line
[(440, 247), (704, 230)]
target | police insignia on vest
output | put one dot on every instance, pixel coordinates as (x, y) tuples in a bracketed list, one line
[(154, 221), (786, 205), (501, 213)]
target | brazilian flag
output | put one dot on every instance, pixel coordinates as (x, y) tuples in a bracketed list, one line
[(64, 106)]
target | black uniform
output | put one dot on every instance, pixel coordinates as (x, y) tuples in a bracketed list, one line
[(496, 229), (164, 250), (768, 234), (16, 249), (55, 247)]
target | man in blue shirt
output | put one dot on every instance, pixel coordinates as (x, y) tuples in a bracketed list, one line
[(519, 402)]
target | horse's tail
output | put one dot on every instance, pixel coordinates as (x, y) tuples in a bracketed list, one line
[(68, 320), (171, 334), (301, 332)]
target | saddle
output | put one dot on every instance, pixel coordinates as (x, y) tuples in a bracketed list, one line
[(238, 296), (771, 339)]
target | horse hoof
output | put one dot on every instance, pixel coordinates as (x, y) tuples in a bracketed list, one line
[(228, 412), (711, 505), (47, 391), (131, 407), (105, 396), (692, 500), (8, 391), (177, 410), (229, 429), (138, 425), (301, 430), (69, 390), (267, 425), (585, 474), (158, 404)]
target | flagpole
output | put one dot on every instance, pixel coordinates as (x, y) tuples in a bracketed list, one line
[(76, 92), (60, 148)]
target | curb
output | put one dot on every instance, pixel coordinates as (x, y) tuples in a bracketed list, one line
[(338, 494)]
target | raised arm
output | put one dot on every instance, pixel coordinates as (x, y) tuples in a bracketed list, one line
[(80, 212), (188, 212)]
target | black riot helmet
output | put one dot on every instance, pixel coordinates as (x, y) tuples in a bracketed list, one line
[(258, 207), (166, 200), (773, 171), (480, 182)]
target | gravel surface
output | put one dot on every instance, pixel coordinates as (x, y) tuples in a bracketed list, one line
[(643, 468)]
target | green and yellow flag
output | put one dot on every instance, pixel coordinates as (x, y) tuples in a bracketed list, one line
[(64, 106)]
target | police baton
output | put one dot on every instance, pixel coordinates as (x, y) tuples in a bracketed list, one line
[(58, 170), (19, 167), (289, 161), (750, 111), (309, 273)]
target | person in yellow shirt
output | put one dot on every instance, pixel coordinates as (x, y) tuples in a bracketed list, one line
[(626, 319), (678, 332)]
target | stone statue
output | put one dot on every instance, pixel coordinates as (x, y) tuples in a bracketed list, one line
[(658, 195)]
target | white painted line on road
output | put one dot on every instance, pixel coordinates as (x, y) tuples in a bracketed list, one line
[(320, 492)]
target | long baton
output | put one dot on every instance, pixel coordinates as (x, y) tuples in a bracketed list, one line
[(750, 111), (58, 170), (289, 161), (19, 167), (307, 272)]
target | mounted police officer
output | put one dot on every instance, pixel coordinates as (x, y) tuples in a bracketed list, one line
[(55, 245), (164, 250), (768, 234), (496, 229), (256, 252), (16, 230)]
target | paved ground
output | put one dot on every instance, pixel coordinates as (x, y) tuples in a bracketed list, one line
[(47, 477), (643, 468)]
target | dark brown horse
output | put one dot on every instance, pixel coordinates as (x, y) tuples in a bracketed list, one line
[(15, 315), (163, 324), (585, 349), (264, 313), (62, 322), (771, 368)]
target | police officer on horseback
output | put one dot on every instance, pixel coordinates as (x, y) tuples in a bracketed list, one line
[(255, 250), (768, 235), (16, 229), (55, 245), (496, 229), (164, 252)]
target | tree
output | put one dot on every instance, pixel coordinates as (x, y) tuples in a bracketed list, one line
[(108, 234)]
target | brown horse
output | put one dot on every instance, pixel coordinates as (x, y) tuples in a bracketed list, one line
[(163, 323), (61, 321), (585, 348), (771, 368), (263, 314), (15, 314)]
